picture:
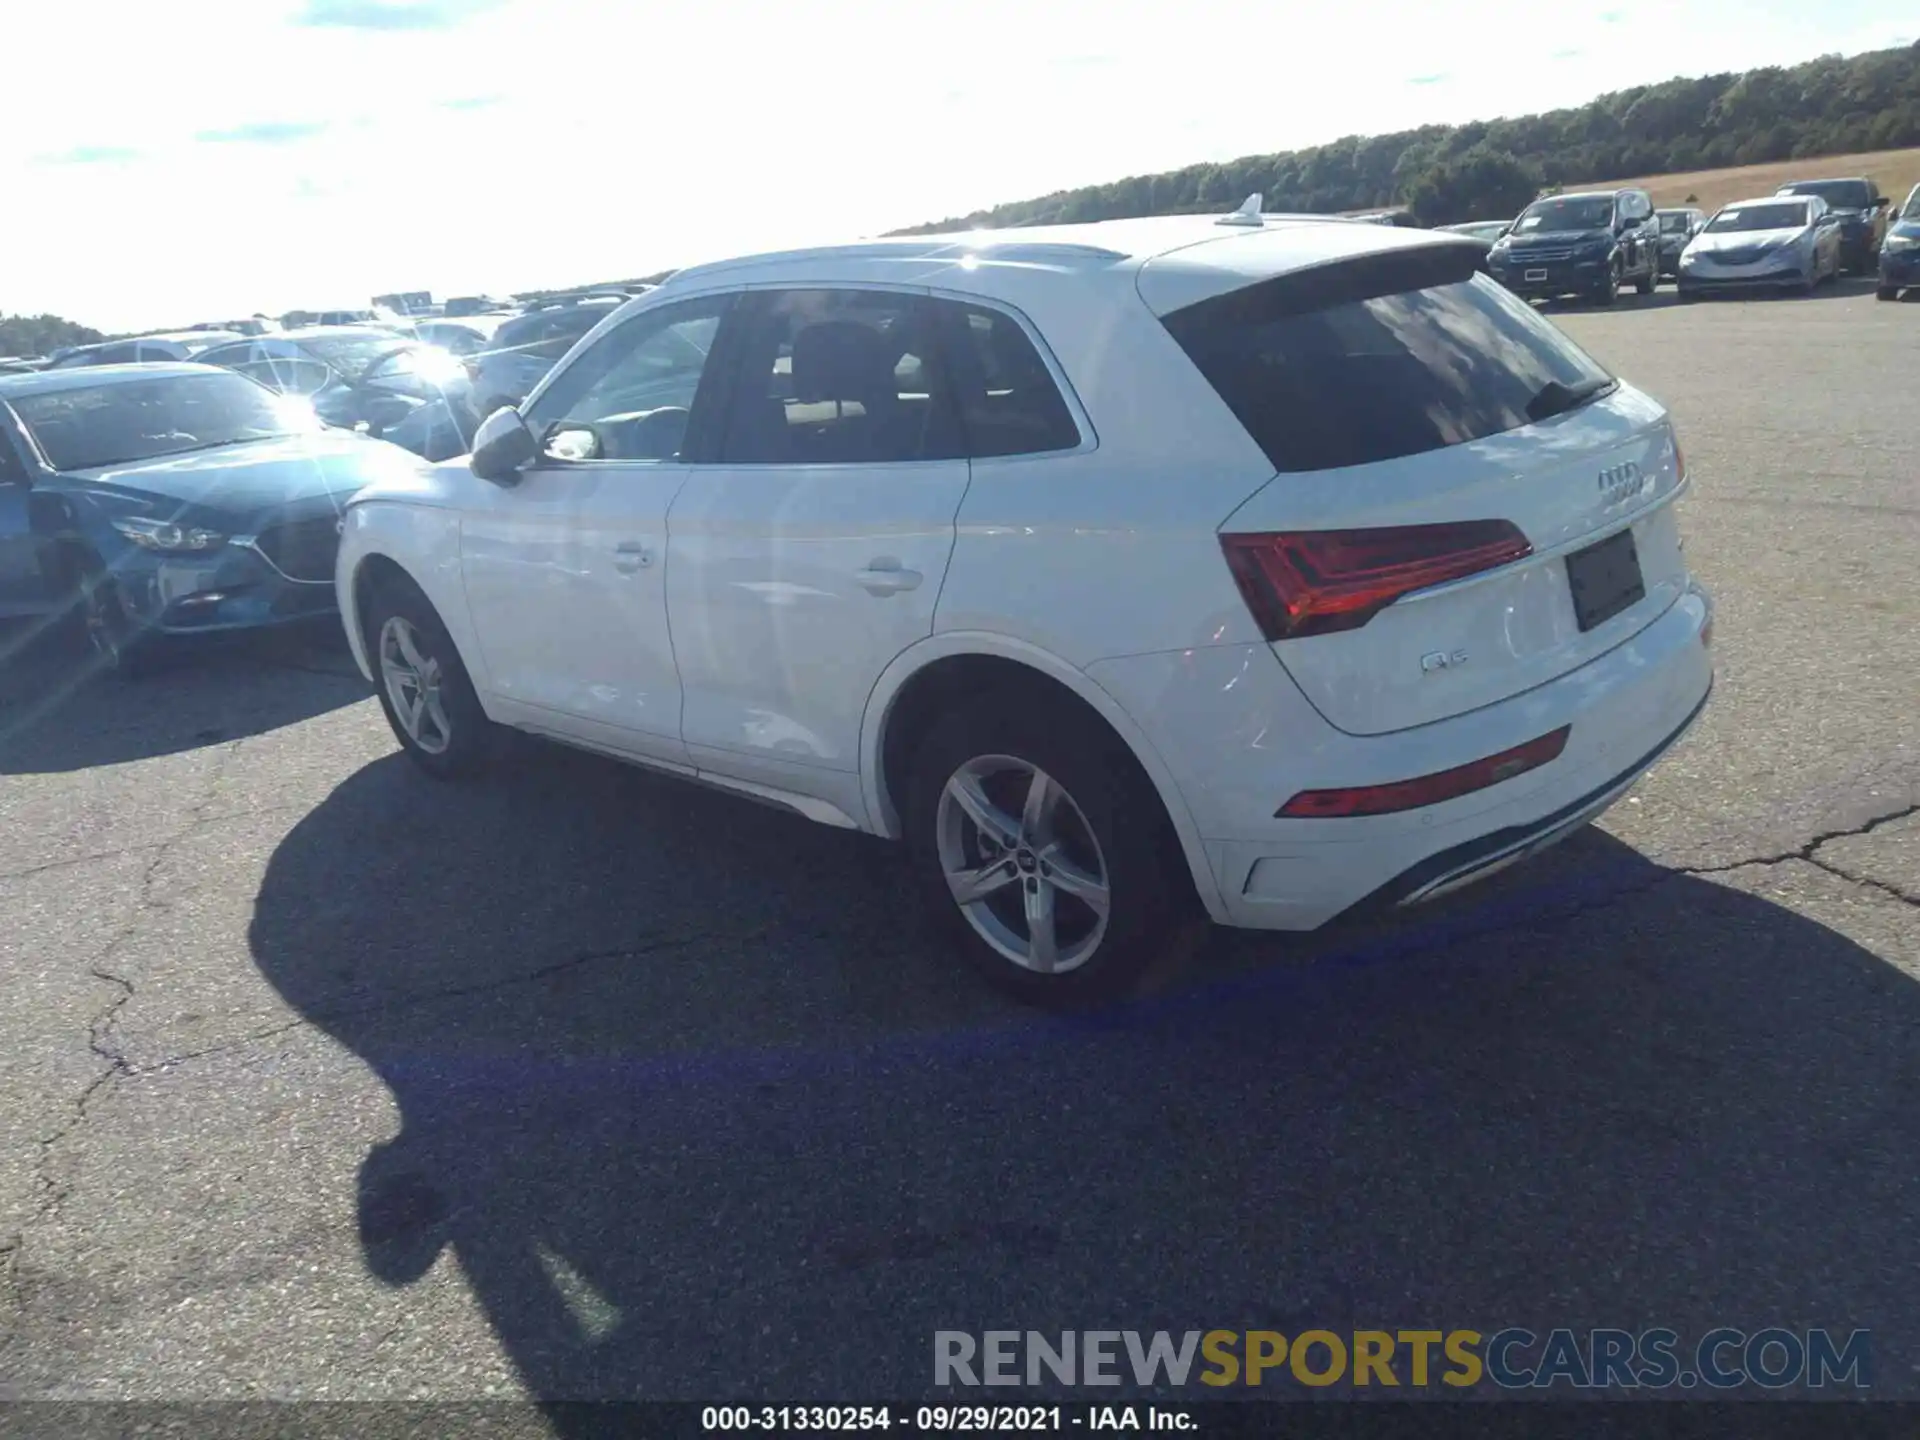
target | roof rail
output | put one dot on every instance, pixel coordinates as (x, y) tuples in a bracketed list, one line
[(1248, 214)]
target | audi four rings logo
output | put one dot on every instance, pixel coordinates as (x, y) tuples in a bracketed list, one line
[(1621, 482)]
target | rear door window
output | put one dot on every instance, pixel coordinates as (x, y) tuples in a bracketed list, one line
[(839, 377), (1008, 400), (229, 356), (1394, 354)]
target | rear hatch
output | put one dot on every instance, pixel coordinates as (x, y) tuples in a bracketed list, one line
[(1467, 505)]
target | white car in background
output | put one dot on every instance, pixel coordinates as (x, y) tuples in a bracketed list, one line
[(144, 349), (1789, 242), (1268, 569), (463, 336)]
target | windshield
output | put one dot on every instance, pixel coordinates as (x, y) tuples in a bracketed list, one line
[(1911, 211), (1783, 215), (1673, 222), (118, 424), (1566, 212), (549, 334), (1841, 194), (466, 338), (351, 354)]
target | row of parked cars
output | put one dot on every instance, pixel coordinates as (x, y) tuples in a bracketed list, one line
[(423, 384), (1591, 245), (924, 537)]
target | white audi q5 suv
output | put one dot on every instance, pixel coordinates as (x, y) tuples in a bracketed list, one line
[(1264, 568)]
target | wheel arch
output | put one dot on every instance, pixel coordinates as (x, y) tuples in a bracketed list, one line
[(943, 665), (417, 544), (373, 569)]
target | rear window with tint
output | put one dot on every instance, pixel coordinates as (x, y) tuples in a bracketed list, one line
[(1344, 367)]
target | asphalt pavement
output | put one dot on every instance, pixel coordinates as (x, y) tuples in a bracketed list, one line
[(320, 1080)]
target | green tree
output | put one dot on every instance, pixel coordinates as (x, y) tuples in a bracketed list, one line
[(42, 334), (1479, 185), (1827, 106)]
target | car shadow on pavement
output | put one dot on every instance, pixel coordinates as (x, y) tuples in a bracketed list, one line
[(59, 713), (704, 1111)]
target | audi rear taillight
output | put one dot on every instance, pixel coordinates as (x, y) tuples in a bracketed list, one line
[(1427, 789), (1315, 582)]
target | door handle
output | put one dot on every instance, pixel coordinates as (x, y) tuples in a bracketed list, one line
[(886, 577), (631, 556)]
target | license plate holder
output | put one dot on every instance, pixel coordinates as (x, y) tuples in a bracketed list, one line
[(1605, 579), (1536, 274)]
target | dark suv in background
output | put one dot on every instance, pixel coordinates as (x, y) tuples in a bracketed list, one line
[(1863, 217), (1677, 227), (1587, 244)]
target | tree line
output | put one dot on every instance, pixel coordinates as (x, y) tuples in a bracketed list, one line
[(42, 334), (1490, 169), (1485, 169)]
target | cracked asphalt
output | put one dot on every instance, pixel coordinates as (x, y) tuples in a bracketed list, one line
[(318, 1080)]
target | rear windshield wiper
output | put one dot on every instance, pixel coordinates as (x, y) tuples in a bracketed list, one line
[(1556, 398)]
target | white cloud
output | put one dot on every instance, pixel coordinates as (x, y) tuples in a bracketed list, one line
[(456, 146)]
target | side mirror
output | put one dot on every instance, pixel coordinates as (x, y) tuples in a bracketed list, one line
[(503, 447), (382, 412)]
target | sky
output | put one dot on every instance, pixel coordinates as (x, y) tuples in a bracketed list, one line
[(202, 159)]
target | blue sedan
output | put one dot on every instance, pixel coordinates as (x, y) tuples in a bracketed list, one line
[(169, 500)]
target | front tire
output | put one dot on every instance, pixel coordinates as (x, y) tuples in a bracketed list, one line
[(1035, 833), (1887, 292), (112, 639), (423, 685), (1609, 290)]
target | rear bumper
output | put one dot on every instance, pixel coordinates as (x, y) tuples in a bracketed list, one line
[(1240, 739), (1482, 858)]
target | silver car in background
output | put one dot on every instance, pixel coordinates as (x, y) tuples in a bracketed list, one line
[(1778, 242), (519, 353)]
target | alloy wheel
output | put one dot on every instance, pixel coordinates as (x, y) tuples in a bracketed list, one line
[(412, 676), (1023, 864)]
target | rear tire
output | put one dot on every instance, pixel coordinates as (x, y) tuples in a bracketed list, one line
[(1647, 283), (1887, 292), (423, 685), (1082, 890)]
